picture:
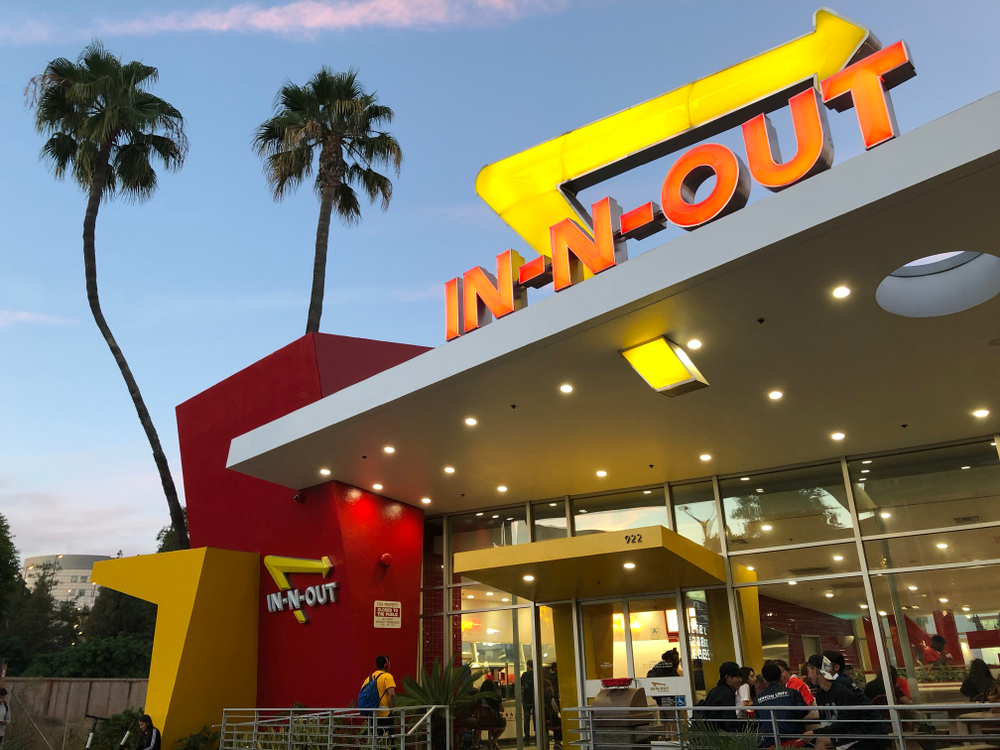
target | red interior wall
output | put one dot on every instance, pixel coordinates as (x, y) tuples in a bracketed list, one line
[(323, 662), (797, 621)]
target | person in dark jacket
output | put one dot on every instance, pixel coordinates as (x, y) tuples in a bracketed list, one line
[(149, 736), (863, 728), (979, 682), (667, 666), (773, 694), (724, 695)]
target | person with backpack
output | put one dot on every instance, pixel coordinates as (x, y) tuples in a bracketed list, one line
[(379, 690)]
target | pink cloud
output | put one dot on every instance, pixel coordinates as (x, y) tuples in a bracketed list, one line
[(307, 17), (12, 317)]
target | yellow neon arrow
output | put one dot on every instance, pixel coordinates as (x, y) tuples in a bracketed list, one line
[(278, 567), (533, 190)]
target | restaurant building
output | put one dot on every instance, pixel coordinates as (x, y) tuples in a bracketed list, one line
[(770, 437)]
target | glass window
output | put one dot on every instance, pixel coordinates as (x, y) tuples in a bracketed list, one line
[(603, 641), (623, 510), (786, 507), (556, 626), (653, 624), (958, 606), (490, 528), (498, 643), (797, 563), (710, 637), (479, 596), (694, 514), (970, 545), (793, 622), (433, 552), (550, 519), (937, 488), (432, 641)]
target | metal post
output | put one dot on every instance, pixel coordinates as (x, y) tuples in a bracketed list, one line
[(447, 727), (578, 661), (518, 656), (774, 726), (734, 615), (329, 731), (671, 523), (872, 607), (682, 636), (291, 716), (529, 519), (541, 726), (402, 729), (570, 526), (590, 722), (446, 606)]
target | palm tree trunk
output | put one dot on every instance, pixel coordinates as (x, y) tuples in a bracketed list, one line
[(319, 262), (90, 270)]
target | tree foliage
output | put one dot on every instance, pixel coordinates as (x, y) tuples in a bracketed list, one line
[(115, 614), (120, 656)]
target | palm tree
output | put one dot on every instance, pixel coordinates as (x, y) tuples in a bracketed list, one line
[(104, 130), (334, 117)]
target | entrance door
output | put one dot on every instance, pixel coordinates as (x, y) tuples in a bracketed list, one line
[(627, 638)]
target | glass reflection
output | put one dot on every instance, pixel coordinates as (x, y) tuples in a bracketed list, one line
[(695, 517), (550, 519), (622, 510)]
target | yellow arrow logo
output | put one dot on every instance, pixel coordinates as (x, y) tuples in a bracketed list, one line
[(536, 189), (280, 567)]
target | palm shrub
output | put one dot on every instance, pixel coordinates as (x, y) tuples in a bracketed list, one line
[(704, 735), (330, 125), (444, 685), (105, 130)]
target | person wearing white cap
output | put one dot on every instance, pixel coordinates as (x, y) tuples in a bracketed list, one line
[(859, 726)]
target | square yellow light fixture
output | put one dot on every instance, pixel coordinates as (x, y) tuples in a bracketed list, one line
[(665, 366)]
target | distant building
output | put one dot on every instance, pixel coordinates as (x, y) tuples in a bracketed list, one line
[(72, 576)]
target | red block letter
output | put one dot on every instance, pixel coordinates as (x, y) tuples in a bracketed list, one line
[(730, 193), (865, 86), (572, 247), (486, 297), (814, 152)]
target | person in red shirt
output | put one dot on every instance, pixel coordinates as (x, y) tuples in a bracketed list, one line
[(792, 682), (935, 655)]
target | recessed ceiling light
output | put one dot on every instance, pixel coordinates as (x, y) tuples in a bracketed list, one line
[(694, 344), (981, 413), (647, 492), (841, 291), (941, 545), (883, 614), (775, 395), (566, 388), (744, 479), (886, 515), (766, 527), (425, 500), (793, 583), (912, 588), (489, 593), (864, 606), (529, 578), (760, 489), (602, 473), (496, 516), (325, 472), (501, 488), (505, 599), (510, 518), (471, 421), (629, 566), (943, 600), (552, 505), (584, 510), (389, 449), (749, 567), (865, 471), (479, 514), (965, 609), (705, 457), (376, 486), (966, 467), (449, 469), (867, 461), (838, 558), (829, 596), (470, 596), (838, 436)]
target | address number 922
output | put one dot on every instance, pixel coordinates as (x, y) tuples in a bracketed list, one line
[(633, 538)]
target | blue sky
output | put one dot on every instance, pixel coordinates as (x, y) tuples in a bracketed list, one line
[(211, 275)]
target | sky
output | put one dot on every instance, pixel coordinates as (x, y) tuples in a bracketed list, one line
[(211, 274)]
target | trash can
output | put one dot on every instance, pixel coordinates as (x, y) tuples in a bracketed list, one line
[(614, 730)]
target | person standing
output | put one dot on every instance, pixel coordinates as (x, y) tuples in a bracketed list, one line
[(4, 713), (528, 697), (149, 736), (386, 687)]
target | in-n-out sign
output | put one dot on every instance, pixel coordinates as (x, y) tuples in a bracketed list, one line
[(293, 599), (839, 66)]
